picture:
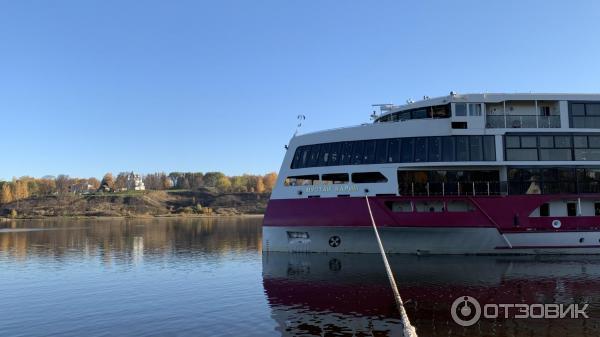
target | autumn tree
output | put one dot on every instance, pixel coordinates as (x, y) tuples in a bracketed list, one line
[(223, 184), (121, 181), (6, 193), (260, 186), (269, 180), (196, 180), (95, 183), (165, 182), (239, 184), (107, 182), (46, 186), (63, 182), (20, 190), (211, 178)]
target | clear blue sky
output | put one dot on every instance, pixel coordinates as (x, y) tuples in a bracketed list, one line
[(88, 87)]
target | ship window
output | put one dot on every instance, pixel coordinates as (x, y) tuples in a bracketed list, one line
[(368, 177), (304, 156), (459, 125), (528, 142), (547, 141), (419, 114), (578, 109), (459, 206), (324, 154), (513, 142), (460, 109), (435, 149), (381, 151), (489, 148), (394, 150), (587, 154), (555, 154), (399, 206), (476, 148), (562, 141), (335, 178), (571, 209), (296, 162), (475, 109), (314, 155), (594, 141), (421, 149), (462, 148), (580, 142), (335, 153), (406, 154), (440, 111), (597, 208), (545, 209), (358, 149), (592, 109), (346, 158), (404, 115), (521, 154), (447, 148), (301, 180), (429, 206), (584, 115), (369, 152)]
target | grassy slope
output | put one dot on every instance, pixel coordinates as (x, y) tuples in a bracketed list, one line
[(139, 203)]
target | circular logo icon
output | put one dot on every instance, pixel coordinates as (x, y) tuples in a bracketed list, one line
[(335, 241), (556, 224), (465, 311)]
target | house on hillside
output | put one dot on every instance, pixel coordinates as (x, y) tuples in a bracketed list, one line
[(135, 182), (81, 188)]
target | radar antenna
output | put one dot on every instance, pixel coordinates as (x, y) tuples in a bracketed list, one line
[(300, 119)]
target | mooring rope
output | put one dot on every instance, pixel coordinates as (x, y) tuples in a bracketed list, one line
[(409, 330)]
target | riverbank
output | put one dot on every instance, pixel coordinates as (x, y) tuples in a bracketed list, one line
[(174, 203)]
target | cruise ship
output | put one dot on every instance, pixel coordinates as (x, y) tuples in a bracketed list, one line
[(459, 174)]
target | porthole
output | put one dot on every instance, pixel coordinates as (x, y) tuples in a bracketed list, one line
[(580, 240)]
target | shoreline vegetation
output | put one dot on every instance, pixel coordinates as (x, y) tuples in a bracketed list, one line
[(130, 195)]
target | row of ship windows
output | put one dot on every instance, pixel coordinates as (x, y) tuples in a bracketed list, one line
[(396, 150), (437, 111), (431, 206), (584, 115), (335, 178), (571, 209), (552, 147)]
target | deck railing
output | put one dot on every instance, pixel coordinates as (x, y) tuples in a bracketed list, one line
[(490, 188), (522, 121), (454, 188)]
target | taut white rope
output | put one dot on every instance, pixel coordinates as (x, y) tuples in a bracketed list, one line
[(409, 330)]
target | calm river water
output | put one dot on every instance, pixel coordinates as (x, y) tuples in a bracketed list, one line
[(207, 277)]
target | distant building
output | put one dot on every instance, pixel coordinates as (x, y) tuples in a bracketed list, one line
[(135, 182), (81, 188)]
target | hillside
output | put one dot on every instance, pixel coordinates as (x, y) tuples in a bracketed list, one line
[(140, 203)]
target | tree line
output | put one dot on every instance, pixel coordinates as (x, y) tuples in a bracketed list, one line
[(25, 187)]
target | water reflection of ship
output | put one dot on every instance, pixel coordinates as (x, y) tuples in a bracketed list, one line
[(349, 293)]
